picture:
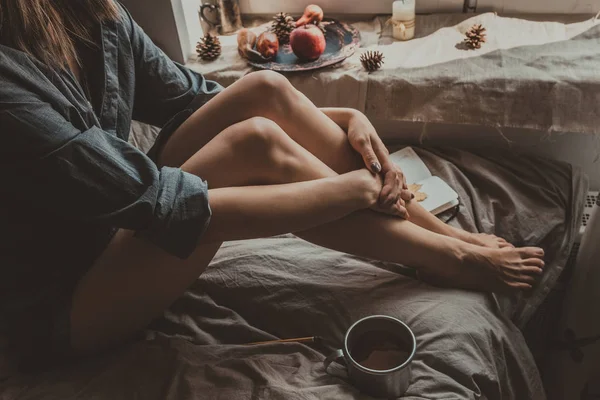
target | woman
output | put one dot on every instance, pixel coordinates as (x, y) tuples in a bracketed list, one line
[(101, 238)]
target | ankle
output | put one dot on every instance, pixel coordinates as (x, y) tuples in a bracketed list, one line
[(454, 250), (462, 252), (461, 235), (465, 252), (455, 254)]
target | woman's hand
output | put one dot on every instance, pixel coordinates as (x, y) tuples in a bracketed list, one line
[(364, 139), (371, 185)]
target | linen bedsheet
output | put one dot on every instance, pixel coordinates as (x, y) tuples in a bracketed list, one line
[(469, 344)]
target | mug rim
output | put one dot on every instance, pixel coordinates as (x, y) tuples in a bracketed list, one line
[(381, 371)]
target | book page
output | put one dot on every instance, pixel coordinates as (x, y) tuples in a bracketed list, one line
[(439, 194), (410, 163)]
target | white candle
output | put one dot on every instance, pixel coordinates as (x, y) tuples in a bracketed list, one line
[(403, 19)]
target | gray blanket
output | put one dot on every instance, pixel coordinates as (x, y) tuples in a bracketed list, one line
[(468, 344)]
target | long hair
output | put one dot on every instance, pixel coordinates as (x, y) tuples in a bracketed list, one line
[(48, 29)]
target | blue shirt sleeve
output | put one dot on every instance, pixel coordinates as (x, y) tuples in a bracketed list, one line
[(93, 176), (162, 87)]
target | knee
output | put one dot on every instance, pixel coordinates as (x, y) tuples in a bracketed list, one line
[(261, 136), (269, 81), (266, 145), (271, 86)]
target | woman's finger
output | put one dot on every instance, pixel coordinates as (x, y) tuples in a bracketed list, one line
[(383, 154), (386, 192), (403, 178), (406, 195), (387, 165), (390, 188), (390, 200), (402, 211), (400, 183), (362, 144)]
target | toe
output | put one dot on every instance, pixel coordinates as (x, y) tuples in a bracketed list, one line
[(535, 262), (506, 243), (531, 252), (532, 270), (527, 279), (519, 285), (520, 277)]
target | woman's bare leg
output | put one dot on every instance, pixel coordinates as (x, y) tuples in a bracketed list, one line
[(363, 233), (129, 285), (270, 95), (133, 281)]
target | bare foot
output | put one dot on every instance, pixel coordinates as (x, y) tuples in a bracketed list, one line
[(500, 270), (486, 240), (479, 239)]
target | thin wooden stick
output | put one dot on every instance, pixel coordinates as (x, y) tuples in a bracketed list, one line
[(297, 340)]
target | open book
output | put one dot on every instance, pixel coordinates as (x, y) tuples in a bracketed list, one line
[(435, 195)]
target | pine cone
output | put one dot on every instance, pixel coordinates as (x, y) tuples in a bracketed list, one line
[(476, 36), (371, 60), (283, 24), (209, 47)]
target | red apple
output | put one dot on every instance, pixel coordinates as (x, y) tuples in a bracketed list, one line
[(308, 42)]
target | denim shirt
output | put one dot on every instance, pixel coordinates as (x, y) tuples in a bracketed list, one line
[(68, 176)]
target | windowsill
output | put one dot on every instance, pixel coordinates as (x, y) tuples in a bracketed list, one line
[(429, 92), (270, 7)]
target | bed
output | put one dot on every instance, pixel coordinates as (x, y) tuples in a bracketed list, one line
[(470, 345)]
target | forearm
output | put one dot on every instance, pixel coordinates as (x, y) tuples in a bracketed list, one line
[(341, 116), (261, 211)]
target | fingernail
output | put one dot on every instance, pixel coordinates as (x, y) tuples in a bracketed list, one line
[(376, 167)]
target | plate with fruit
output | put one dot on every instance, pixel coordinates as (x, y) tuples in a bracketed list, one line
[(311, 42)]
